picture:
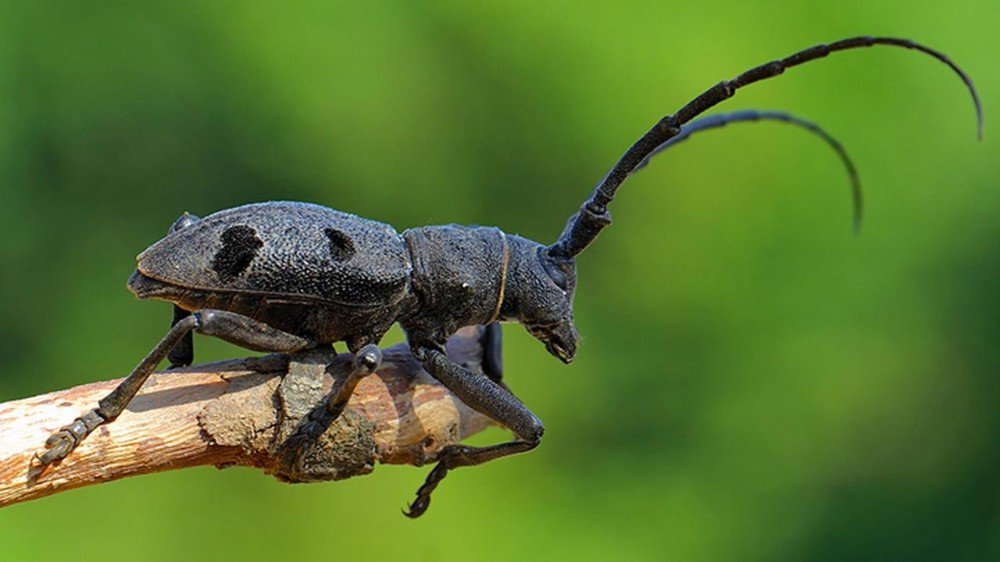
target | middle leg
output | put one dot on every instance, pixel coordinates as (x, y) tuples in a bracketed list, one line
[(366, 361), (182, 354)]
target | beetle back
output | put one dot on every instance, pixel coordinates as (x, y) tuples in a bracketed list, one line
[(286, 249)]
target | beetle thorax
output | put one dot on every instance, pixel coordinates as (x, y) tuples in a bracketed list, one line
[(459, 273)]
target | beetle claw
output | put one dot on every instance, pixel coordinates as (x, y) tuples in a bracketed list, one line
[(58, 446), (61, 443), (418, 507), (423, 501), (53, 439)]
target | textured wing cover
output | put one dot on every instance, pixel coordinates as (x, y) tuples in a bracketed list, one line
[(285, 248)]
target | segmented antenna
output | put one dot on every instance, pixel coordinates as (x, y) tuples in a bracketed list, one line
[(593, 215), (723, 119)]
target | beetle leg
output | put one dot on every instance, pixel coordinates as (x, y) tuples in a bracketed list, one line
[(366, 361), (229, 326), (491, 340), (182, 354), (486, 397)]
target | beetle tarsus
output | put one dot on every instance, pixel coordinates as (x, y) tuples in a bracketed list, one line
[(423, 501), (295, 447), (489, 398), (455, 456), (61, 443)]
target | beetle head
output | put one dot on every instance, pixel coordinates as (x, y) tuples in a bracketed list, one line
[(540, 288)]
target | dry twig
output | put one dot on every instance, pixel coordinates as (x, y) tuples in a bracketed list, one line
[(237, 413)]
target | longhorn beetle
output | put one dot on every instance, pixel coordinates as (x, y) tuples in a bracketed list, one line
[(284, 277)]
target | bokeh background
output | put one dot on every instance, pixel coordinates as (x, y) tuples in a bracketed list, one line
[(755, 383)]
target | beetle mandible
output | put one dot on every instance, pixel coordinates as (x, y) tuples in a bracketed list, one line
[(283, 277)]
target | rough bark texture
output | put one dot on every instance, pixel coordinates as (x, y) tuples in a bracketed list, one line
[(238, 413)]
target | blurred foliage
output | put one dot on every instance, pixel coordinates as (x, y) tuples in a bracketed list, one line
[(755, 384)]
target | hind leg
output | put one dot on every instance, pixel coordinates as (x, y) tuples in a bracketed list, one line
[(229, 326)]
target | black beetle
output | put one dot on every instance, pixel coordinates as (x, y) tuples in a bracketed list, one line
[(284, 277)]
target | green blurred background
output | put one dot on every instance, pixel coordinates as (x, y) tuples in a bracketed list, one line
[(755, 383)]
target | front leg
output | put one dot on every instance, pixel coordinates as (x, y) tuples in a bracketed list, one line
[(234, 328), (487, 397)]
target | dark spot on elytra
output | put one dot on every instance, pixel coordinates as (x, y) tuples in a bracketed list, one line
[(341, 246), (239, 246)]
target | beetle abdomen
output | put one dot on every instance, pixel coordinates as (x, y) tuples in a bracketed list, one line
[(286, 248)]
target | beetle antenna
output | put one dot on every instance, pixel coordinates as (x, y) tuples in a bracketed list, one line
[(593, 215), (723, 119)]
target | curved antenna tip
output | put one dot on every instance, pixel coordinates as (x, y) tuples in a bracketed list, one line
[(979, 114), (979, 111), (859, 198)]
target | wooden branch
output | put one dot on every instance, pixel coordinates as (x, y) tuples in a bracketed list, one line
[(238, 413)]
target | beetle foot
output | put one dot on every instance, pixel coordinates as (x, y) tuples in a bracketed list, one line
[(448, 459), (294, 448), (304, 437), (61, 443), (57, 447)]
